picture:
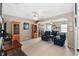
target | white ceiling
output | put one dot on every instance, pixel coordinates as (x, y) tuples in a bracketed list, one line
[(45, 10)]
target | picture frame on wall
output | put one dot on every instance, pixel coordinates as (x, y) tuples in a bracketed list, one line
[(26, 26)]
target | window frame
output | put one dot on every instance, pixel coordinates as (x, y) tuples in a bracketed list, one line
[(47, 27), (64, 28)]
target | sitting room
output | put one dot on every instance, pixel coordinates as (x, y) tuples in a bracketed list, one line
[(42, 29)]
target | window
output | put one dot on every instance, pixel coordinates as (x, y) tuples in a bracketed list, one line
[(26, 26), (63, 27), (48, 27)]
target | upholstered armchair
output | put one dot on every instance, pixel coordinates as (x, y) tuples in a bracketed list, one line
[(54, 33), (46, 35), (60, 39)]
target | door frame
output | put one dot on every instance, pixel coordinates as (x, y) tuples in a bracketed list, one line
[(76, 29)]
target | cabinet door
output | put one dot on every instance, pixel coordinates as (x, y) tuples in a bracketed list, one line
[(34, 31), (16, 28), (16, 32), (16, 37)]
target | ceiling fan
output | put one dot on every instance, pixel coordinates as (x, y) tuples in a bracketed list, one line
[(35, 16)]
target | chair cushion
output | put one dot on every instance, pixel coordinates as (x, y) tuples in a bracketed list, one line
[(54, 33), (58, 37), (47, 32)]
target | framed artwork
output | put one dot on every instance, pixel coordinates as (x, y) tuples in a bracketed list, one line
[(26, 26)]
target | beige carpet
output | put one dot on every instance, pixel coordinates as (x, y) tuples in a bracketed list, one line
[(37, 47)]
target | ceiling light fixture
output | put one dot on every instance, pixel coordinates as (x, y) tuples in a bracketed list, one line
[(35, 16)]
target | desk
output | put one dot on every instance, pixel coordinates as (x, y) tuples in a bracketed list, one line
[(9, 47)]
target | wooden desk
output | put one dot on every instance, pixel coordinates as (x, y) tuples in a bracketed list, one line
[(9, 47)]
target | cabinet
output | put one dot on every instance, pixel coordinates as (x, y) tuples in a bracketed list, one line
[(34, 31), (16, 31)]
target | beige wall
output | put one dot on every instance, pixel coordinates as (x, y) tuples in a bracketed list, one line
[(70, 19), (24, 34)]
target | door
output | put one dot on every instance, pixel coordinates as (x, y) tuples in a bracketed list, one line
[(76, 27)]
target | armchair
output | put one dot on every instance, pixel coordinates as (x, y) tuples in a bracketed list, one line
[(46, 35), (60, 41), (54, 33)]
